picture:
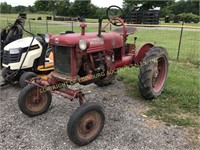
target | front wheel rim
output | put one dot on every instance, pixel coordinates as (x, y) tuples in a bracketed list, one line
[(35, 104), (89, 125)]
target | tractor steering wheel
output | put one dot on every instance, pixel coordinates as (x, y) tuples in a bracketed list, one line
[(114, 12)]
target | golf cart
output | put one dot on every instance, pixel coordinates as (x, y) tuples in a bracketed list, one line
[(26, 58), (11, 33)]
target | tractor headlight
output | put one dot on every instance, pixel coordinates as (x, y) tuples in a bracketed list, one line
[(46, 38), (82, 44), (15, 51)]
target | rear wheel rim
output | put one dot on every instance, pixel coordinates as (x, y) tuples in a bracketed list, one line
[(89, 125), (159, 74), (35, 104)]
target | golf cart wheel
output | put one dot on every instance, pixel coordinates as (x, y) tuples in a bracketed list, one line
[(106, 81), (9, 76), (33, 102), (153, 72), (86, 123), (26, 76), (4, 72)]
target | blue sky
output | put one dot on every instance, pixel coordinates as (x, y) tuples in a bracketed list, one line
[(99, 3)]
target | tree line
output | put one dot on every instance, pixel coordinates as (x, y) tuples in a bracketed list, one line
[(88, 10)]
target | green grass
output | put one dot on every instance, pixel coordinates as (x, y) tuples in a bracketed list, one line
[(179, 102), (186, 24)]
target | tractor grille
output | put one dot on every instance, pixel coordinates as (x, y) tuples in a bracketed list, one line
[(62, 60), (10, 58)]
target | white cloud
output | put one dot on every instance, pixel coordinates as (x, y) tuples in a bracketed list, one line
[(99, 3), (19, 2), (107, 3)]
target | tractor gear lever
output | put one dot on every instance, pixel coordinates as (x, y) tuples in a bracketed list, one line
[(100, 25), (135, 38)]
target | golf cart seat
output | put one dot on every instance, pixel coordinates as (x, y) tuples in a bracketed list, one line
[(129, 30)]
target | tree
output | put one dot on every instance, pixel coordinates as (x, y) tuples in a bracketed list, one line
[(186, 7), (20, 9), (82, 8), (31, 9), (100, 12), (5, 8), (64, 7), (144, 5), (167, 11), (130, 5), (53, 6)]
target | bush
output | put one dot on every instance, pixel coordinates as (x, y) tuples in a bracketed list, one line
[(176, 18), (189, 18)]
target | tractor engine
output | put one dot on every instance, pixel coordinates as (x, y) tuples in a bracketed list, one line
[(86, 57)]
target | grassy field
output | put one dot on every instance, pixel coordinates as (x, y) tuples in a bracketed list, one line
[(179, 103), (190, 45)]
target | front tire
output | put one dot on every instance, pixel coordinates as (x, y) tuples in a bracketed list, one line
[(153, 72), (86, 123), (33, 102), (26, 76)]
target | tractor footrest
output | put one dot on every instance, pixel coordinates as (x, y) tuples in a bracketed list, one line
[(46, 67)]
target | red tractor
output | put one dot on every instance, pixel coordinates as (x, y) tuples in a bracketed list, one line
[(86, 58)]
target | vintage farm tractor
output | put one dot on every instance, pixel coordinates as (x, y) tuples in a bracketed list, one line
[(93, 58)]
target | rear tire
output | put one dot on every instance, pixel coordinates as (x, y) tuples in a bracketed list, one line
[(30, 105), (26, 76), (153, 72), (86, 123)]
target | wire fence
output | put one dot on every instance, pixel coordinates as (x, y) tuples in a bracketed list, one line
[(182, 42)]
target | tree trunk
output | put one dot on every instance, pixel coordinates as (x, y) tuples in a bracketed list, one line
[(54, 14)]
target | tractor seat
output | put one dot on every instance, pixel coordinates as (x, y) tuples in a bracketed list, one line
[(129, 30)]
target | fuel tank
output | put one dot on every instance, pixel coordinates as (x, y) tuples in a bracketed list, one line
[(106, 41)]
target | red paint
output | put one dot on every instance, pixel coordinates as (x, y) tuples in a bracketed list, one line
[(127, 60), (105, 42), (112, 44), (141, 52), (83, 26), (161, 65)]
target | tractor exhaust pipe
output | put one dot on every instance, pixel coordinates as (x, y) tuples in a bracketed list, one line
[(100, 26)]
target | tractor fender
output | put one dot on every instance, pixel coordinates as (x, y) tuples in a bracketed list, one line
[(141, 52)]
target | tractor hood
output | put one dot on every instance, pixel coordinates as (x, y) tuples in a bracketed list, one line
[(104, 42)]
